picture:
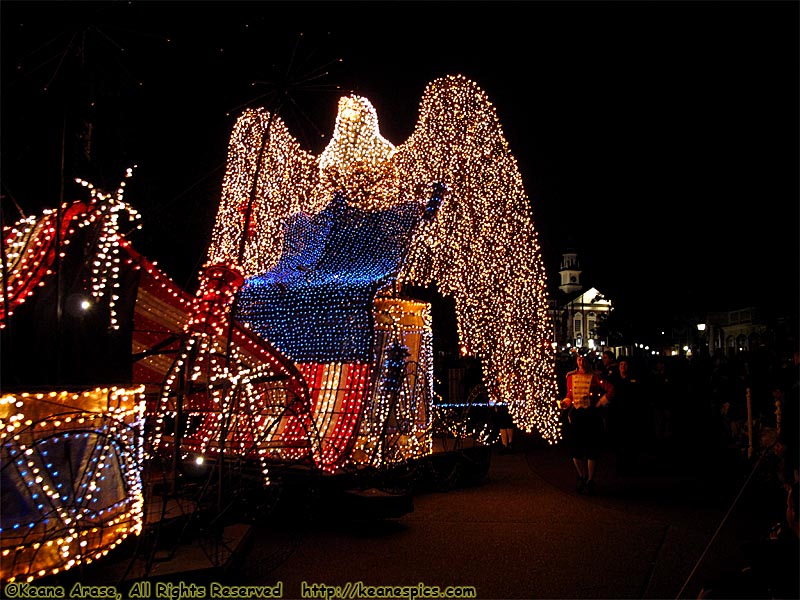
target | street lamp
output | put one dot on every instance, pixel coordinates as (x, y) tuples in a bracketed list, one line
[(701, 328)]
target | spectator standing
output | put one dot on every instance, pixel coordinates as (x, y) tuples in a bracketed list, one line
[(610, 365), (729, 398), (608, 371), (630, 418), (662, 392), (770, 562), (586, 393), (788, 442)]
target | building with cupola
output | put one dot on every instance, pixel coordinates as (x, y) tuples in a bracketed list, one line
[(577, 310)]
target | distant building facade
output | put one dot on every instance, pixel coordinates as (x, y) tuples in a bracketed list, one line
[(577, 311), (735, 331)]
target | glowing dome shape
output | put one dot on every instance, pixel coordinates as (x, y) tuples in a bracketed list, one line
[(356, 137), (481, 247)]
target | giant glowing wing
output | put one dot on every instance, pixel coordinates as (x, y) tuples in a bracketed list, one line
[(482, 248), (268, 178)]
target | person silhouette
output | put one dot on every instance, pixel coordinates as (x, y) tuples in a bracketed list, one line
[(586, 394)]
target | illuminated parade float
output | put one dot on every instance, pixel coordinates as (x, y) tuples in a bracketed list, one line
[(72, 461), (303, 346)]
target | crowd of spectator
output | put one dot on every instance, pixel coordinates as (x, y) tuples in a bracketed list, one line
[(739, 412), (736, 404)]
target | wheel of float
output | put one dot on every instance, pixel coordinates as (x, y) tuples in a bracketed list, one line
[(403, 417), (411, 406), (397, 467), (450, 426), (256, 449), (445, 470), (464, 424), (464, 437), (480, 422), (193, 492)]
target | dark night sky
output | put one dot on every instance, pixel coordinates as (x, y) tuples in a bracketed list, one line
[(660, 140)]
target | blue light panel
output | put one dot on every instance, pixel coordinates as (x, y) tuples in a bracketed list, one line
[(316, 303)]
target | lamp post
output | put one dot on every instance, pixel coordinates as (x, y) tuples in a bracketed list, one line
[(701, 328)]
